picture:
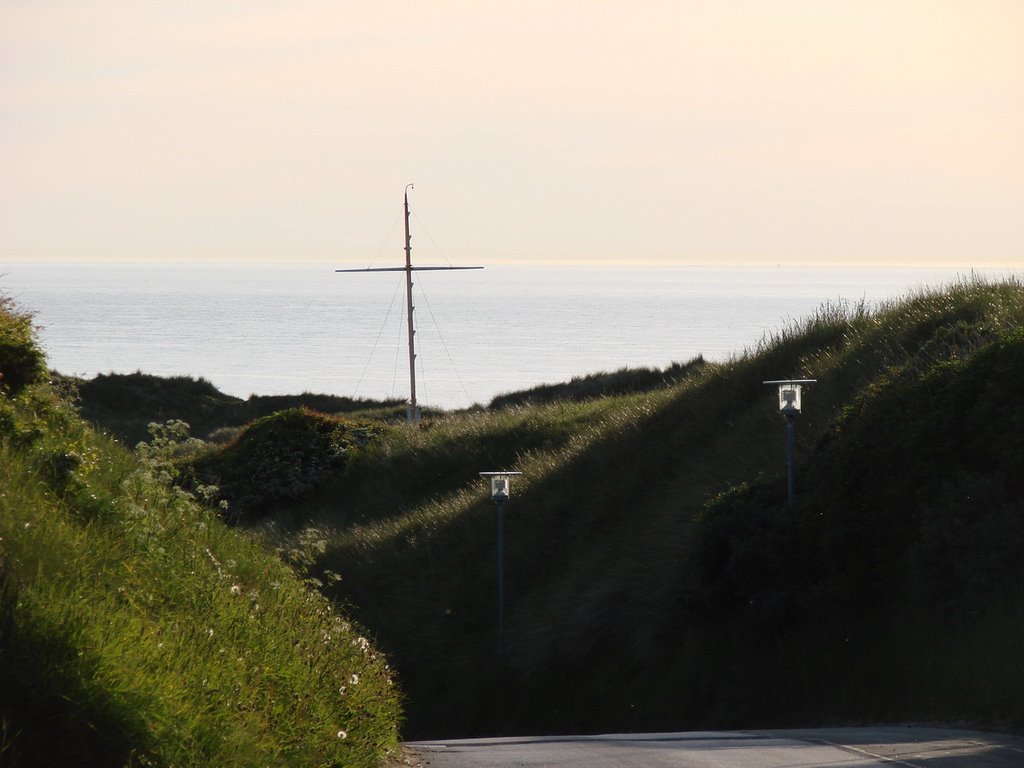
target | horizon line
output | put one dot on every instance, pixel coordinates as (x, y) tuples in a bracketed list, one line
[(988, 264)]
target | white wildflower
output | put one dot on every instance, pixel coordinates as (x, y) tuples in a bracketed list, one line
[(354, 679), (236, 589), (343, 734)]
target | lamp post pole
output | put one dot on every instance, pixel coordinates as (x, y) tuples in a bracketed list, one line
[(500, 486), (501, 579), (789, 407), (790, 420)]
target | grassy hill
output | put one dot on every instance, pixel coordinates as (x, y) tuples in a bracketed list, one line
[(655, 576), (125, 404), (137, 629), (621, 382)]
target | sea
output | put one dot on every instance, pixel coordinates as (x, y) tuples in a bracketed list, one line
[(271, 329)]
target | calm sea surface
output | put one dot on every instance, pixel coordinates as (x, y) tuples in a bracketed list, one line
[(285, 329)]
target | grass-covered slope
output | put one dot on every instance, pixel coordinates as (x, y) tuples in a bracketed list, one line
[(655, 576), (621, 382), (894, 587), (125, 404), (137, 629)]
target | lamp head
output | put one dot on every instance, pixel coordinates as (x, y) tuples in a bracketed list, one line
[(500, 484), (790, 391)]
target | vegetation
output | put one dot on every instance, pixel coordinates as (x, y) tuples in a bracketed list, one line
[(23, 361), (126, 404), (621, 382), (137, 629), (656, 577), (278, 459)]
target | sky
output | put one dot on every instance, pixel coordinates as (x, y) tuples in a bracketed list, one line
[(692, 131)]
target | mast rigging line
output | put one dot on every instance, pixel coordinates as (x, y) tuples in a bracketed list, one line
[(398, 353), (376, 341), (444, 344), (387, 239), (431, 239)]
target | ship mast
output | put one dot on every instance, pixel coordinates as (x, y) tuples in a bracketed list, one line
[(413, 414), (412, 410)]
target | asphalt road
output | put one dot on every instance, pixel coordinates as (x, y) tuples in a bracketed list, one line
[(909, 747)]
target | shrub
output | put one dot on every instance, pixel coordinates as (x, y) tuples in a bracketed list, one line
[(21, 360), (278, 459)]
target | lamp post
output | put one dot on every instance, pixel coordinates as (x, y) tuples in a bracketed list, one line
[(500, 488), (789, 407)]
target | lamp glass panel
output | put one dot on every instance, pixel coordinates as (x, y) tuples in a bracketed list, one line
[(499, 486), (789, 397)]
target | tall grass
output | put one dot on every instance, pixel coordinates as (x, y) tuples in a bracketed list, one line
[(611, 621), (655, 577), (137, 629)]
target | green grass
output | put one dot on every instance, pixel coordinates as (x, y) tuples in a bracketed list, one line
[(137, 629), (656, 579), (125, 404), (621, 382)]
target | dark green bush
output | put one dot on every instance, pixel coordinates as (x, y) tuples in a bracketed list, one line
[(278, 459), (21, 360)]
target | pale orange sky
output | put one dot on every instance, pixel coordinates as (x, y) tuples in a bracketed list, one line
[(858, 131)]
